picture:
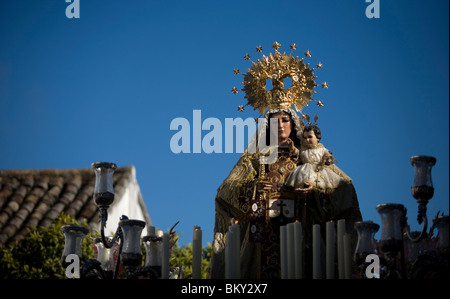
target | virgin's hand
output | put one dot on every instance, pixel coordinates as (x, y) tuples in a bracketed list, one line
[(264, 185), (290, 144)]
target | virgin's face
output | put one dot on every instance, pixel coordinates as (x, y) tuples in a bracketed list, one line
[(284, 126)]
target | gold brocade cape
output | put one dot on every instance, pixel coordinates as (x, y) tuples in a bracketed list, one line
[(234, 202)]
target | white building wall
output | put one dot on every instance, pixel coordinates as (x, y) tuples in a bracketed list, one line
[(128, 205)]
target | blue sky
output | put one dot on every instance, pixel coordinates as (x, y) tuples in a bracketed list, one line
[(106, 86)]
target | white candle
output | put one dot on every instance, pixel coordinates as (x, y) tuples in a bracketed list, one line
[(229, 254), (165, 257), (197, 253), (290, 250), (151, 231), (347, 256), (103, 255), (237, 250), (298, 249), (150, 248), (156, 249), (330, 249), (283, 251), (340, 247), (232, 252), (317, 273)]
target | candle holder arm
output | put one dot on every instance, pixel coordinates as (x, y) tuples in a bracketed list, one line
[(118, 236), (422, 218), (103, 217)]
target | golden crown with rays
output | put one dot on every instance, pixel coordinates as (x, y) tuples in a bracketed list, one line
[(277, 67)]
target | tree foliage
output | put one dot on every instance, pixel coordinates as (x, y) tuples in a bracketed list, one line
[(182, 257), (38, 255)]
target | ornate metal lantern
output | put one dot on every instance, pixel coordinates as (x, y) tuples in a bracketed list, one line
[(366, 231), (127, 236), (422, 190), (73, 238)]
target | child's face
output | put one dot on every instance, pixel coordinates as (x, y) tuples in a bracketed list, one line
[(310, 138)]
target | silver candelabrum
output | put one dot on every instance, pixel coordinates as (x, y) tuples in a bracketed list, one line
[(121, 249), (396, 238)]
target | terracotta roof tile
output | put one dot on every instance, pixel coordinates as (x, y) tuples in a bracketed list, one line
[(36, 197)]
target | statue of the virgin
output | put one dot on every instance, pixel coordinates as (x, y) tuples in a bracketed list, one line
[(255, 194)]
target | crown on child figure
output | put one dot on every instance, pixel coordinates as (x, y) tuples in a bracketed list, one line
[(278, 67), (308, 119)]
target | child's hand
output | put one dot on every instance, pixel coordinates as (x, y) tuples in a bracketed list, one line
[(306, 188), (329, 158)]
